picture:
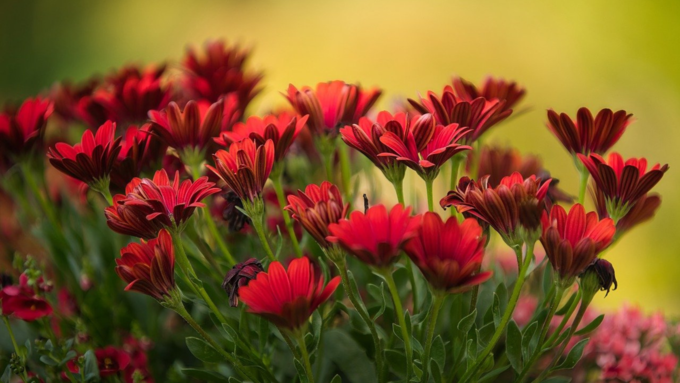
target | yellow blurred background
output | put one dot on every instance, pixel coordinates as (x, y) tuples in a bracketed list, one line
[(616, 54)]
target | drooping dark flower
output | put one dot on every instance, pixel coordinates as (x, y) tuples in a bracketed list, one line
[(493, 90), (377, 237), (149, 267), (23, 128), (604, 271), (572, 241), (234, 217), (287, 299), (587, 135), (238, 277), (449, 254), (332, 105), (245, 168)]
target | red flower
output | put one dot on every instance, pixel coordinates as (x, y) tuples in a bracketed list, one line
[(316, 208), (622, 183), (110, 361), (517, 202), (449, 254), (220, 71), (425, 157), (366, 135), (66, 96), (376, 237), (193, 127), (91, 160), (245, 167), (287, 299), (573, 241), (332, 104), (586, 136), (492, 90), (151, 205), (281, 130), (477, 115), (149, 267), (239, 276), (137, 149), (22, 302), (21, 129)]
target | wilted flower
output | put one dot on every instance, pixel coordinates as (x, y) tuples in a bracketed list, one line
[(149, 267), (239, 276), (287, 299), (493, 90), (449, 254), (21, 129), (586, 135), (604, 273), (234, 217), (245, 167), (377, 237), (151, 205), (316, 208)]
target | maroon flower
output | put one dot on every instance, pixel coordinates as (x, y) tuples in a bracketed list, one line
[(604, 271), (22, 302), (149, 267), (449, 254), (376, 237), (110, 361), (622, 183), (66, 96), (91, 160), (21, 129), (586, 135), (245, 167), (151, 205), (316, 208), (493, 90), (332, 104), (138, 148), (238, 277), (235, 218)]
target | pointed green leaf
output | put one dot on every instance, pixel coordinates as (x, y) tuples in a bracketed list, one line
[(397, 361), (513, 347), (301, 372), (466, 323), (527, 336), (591, 326), (438, 351), (7, 375), (336, 379), (205, 375), (202, 350), (574, 355), (563, 310), (90, 367), (436, 372)]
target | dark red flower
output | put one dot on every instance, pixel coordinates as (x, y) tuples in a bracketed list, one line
[(281, 129), (66, 96), (586, 135), (22, 302), (316, 208), (493, 90), (139, 361), (332, 104), (426, 157), (376, 237), (149, 267), (604, 271), (192, 128), (218, 71), (573, 241), (91, 160), (245, 168), (228, 211), (138, 148), (449, 254), (287, 299), (110, 361), (151, 205), (477, 115), (68, 305), (21, 129), (517, 202), (239, 276), (622, 183)]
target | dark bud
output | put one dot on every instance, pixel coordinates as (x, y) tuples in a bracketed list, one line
[(239, 276), (605, 273), (6, 280), (365, 204), (530, 211), (234, 217)]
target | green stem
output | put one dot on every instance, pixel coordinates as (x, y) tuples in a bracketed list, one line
[(431, 325), (214, 232), (506, 315), (17, 350), (399, 189), (412, 282), (430, 197), (259, 229), (456, 161), (255, 211), (476, 155), (345, 169), (47, 208), (474, 294), (583, 185), (399, 313), (278, 187), (565, 319), (305, 356), (106, 193)]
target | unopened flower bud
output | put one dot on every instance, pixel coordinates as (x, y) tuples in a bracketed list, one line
[(239, 276), (605, 274)]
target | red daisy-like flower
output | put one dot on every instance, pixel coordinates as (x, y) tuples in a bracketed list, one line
[(281, 129), (218, 71), (643, 210), (66, 96), (91, 160), (245, 167), (492, 90), (137, 149), (477, 115), (449, 254), (22, 302), (573, 241), (316, 208), (239, 276), (110, 361), (587, 135), (332, 104), (427, 157), (21, 129), (150, 205), (376, 237), (517, 202), (622, 183), (287, 299), (149, 267)]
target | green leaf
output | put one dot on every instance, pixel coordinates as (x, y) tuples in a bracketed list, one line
[(355, 290), (301, 372), (7, 375), (491, 375), (466, 323), (202, 350), (574, 355), (49, 346), (485, 333), (557, 379), (436, 372), (513, 347), (407, 319), (382, 299), (496, 310), (527, 335), (336, 379), (438, 352), (48, 361), (591, 326), (357, 322), (502, 292), (234, 380), (396, 330), (547, 279), (348, 356), (563, 310), (205, 375), (397, 361), (90, 368)]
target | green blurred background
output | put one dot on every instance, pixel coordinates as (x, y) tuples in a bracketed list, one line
[(616, 54)]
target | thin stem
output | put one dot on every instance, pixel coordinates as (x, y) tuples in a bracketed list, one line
[(583, 185), (345, 169), (305, 356), (430, 197), (474, 294), (431, 325), (278, 187), (399, 313), (506, 315), (214, 232), (259, 228), (17, 350), (106, 193), (456, 161), (47, 208), (412, 282), (565, 319), (399, 189), (476, 155)]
